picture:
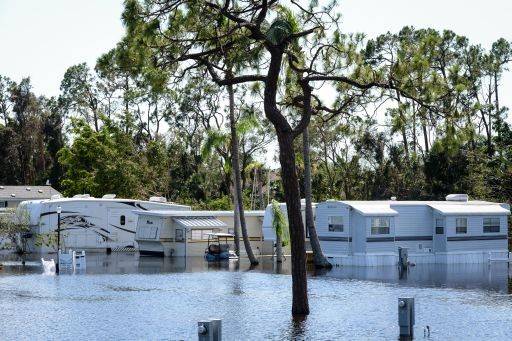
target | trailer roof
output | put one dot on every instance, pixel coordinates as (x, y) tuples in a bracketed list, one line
[(386, 207), (26, 192), (493, 209), (172, 213), (373, 209)]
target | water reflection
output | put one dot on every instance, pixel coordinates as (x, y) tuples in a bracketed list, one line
[(494, 277), (124, 296)]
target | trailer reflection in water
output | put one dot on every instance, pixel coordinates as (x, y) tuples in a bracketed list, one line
[(458, 276), (494, 277)]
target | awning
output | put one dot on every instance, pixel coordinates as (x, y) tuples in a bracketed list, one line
[(199, 222)]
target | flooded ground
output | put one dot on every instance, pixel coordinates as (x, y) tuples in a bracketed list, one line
[(122, 296)]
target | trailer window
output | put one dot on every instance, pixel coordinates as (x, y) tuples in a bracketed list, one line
[(439, 226), (122, 220), (461, 225), (491, 225), (200, 234), (380, 225), (3, 204), (179, 235), (335, 223)]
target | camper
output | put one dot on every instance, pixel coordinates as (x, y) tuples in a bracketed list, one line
[(96, 224), (369, 233), (181, 233)]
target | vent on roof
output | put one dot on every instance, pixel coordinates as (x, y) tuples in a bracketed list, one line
[(1, 187), (55, 197), (158, 199), (108, 196), (82, 196), (39, 191), (393, 198), (13, 195), (457, 197), (28, 188)]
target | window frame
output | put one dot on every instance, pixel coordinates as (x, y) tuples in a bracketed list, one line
[(203, 234), (122, 220), (376, 230), (458, 227), (440, 227), (335, 227), (491, 225)]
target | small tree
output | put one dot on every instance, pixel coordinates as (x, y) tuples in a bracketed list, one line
[(12, 227), (280, 225)]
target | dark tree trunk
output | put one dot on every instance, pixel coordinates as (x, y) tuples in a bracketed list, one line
[(235, 160), (300, 305), (236, 220), (285, 136), (425, 135), (318, 256)]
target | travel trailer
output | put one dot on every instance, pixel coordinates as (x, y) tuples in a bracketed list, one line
[(457, 230), (95, 224), (185, 233)]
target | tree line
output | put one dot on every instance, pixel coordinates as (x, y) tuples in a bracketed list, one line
[(191, 99)]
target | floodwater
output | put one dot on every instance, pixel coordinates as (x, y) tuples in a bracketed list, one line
[(124, 297)]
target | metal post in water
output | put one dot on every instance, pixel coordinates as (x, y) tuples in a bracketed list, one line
[(406, 316), (209, 330), (403, 258), (59, 211)]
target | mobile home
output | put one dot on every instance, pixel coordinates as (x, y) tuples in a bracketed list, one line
[(180, 233), (369, 233), (11, 196), (95, 224)]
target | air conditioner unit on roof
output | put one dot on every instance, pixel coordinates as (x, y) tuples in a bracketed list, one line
[(457, 197)]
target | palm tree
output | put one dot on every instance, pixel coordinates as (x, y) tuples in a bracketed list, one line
[(214, 140)]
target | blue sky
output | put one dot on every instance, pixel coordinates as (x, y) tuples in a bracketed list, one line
[(41, 39)]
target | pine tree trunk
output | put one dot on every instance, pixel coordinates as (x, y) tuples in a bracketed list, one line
[(236, 173), (285, 136), (300, 305), (236, 220), (319, 259)]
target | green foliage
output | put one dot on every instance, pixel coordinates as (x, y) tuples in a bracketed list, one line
[(280, 223), (12, 227), (279, 31), (108, 161)]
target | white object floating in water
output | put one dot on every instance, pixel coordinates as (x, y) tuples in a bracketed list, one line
[(48, 266)]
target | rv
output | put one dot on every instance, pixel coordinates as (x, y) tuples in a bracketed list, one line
[(95, 224), (368, 233), (180, 233)]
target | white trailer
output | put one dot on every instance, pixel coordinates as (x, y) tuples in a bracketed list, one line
[(369, 233), (179, 233), (95, 224)]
